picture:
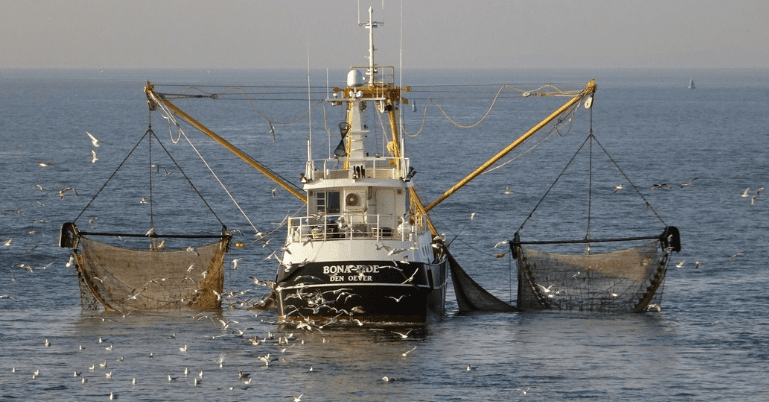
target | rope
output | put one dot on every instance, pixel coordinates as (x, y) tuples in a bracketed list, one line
[(149, 140), (111, 176), (590, 180), (553, 185), (629, 181), (170, 117), (188, 179), (488, 111)]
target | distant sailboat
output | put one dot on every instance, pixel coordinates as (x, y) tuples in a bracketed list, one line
[(691, 83)]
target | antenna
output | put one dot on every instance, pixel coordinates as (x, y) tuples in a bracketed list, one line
[(309, 105)]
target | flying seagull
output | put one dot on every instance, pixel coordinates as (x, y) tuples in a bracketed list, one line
[(94, 141)]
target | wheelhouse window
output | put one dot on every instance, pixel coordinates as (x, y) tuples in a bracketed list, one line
[(327, 201)]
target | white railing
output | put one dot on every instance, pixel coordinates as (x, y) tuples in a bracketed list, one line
[(354, 227), (358, 168)]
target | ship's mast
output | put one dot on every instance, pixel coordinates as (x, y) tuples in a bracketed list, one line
[(371, 24)]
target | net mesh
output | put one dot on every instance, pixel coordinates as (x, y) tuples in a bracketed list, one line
[(471, 296), (128, 279), (622, 280)]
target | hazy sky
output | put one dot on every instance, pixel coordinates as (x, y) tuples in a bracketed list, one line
[(436, 34)]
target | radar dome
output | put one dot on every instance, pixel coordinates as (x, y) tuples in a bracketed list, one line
[(354, 78)]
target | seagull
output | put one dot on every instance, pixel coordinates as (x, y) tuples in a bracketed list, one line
[(524, 391), (171, 378), (403, 336), (680, 264), (297, 398), (7, 243), (397, 299), (387, 379), (150, 232), (618, 187), (172, 336), (469, 368), (63, 191), (47, 344), (689, 184), (94, 158), (94, 141), (195, 381), (406, 353), (745, 194), (184, 349), (191, 249), (243, 375), (24, 266), (8, 297), (739, 254), (395, 251), (411, 278), (544, 289), (499, 243), (660, 185), (265, 359), (697, 264), (274, 192), (45, 164), (507, 190), (109, 347), (235, 263), (108, 375)]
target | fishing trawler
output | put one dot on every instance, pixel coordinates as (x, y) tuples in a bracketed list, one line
[(365, 248)]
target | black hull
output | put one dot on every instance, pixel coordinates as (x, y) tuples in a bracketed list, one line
[(369, 291)]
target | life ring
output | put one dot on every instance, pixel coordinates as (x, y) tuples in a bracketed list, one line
[(351, 200)]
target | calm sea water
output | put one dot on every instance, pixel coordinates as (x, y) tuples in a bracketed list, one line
[(708, 342)]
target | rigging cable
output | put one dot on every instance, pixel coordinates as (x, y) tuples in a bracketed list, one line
[(488, 111), (171, 119)]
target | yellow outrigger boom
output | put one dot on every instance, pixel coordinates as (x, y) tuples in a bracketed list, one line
[(588, 91), (153, 98)]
